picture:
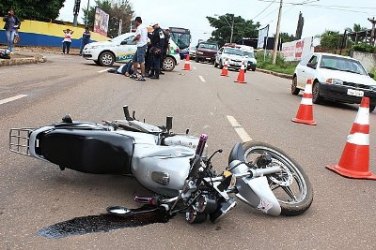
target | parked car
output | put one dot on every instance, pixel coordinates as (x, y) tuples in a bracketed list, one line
[(234, 57), (121, 49), (248, 52), (335, 78), (206, 51), (192, 52)]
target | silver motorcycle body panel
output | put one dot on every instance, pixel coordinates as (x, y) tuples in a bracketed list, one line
[(162, 169), (255, 191)]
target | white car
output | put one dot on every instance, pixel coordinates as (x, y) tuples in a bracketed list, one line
[(335, 78), (121, 49), (234, 57)]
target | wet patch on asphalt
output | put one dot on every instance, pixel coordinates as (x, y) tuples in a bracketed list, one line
[(101, 223)]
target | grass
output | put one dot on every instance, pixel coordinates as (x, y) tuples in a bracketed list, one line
[(374, 73), (281, 66)]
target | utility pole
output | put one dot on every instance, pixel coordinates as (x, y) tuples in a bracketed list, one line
[(120, 26), (87, 13), (276, 39), (232, 27), (76, 10), (373, 21)]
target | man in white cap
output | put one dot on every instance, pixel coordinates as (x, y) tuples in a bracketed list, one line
[(157, 43), (141, 36)]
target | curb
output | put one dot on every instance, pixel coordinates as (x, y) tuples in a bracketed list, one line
[(275, 73), (20, 61)]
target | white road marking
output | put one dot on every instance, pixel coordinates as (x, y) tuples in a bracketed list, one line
[(202, 78), (239, 129), (103, 70), (195, 68), (10, 99)]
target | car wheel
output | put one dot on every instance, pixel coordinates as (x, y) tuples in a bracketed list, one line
[(215, 64), (253, 69), (294, 86), (316, 98), (106, 58), (169, 64), (220, 64), (372, 108), (197, 60)]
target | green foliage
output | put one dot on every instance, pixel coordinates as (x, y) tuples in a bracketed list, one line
[(281, 66), (116, 11), (286, 37), (364, 47), (33, 9), (222, 24), (331, 40)]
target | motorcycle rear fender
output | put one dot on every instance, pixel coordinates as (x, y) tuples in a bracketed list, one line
[(257, 193)]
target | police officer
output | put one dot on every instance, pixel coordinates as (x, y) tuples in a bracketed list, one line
[(165, 47), (157, 45)]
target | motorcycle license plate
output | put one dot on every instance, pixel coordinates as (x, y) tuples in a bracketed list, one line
[(353, 92)]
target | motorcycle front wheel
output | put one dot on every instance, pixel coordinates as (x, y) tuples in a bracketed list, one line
[(291, 186)]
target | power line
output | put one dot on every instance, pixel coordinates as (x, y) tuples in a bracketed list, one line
[(262, 11)]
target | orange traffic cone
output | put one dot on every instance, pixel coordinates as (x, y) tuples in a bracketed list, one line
[(354, 162), (187, 64), (241, 75), (305, 111), (225, 69)]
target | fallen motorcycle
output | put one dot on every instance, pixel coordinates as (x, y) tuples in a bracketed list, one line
[(174, 166)]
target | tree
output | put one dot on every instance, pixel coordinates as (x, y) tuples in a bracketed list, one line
[(116, 11), (299, 28), (242, 28), (285, 37), (36, 9), (330, 39)]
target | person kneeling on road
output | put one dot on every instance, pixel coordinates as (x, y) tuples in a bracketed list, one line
[(141, 36), (157, 44)]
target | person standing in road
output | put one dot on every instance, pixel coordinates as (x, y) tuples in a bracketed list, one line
[(12, 24), (85, 39), (141, 36), (67, 40), (157, 45), (165, 48)]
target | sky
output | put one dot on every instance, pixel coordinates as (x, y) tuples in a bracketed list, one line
[(318, 15)]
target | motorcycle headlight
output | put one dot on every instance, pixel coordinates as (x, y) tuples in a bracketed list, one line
[(334, 81)]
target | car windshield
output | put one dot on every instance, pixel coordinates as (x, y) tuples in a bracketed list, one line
[(250, 54), (232, 51), (342, 64), (120, 38), (207, 46), (182, 40)]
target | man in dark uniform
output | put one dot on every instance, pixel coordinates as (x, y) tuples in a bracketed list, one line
[(157, 45), (165, 47)]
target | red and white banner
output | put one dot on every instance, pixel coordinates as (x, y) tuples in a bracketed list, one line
[(101, 22), (296, 50)]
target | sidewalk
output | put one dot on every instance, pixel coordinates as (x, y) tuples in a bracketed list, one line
[(25, 55)]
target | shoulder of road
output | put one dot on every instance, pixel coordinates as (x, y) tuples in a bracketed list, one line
[(282, 75), (18, 59)]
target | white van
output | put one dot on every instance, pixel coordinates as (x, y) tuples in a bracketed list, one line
[(121, 49)]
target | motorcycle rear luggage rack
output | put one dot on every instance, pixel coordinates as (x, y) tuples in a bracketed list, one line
[(19, 140)]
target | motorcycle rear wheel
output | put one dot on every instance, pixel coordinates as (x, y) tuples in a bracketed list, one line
[(291, 186)]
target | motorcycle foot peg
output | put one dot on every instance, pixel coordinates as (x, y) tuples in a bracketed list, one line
[(146, 200), (126, 112)]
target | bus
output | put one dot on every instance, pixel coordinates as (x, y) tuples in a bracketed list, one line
[(182, 37)]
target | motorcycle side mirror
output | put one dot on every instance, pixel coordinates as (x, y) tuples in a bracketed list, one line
[(187, 131), (169, 123), (126, 112), (134, 115)]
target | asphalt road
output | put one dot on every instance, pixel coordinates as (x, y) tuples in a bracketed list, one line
[(36, 194)]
